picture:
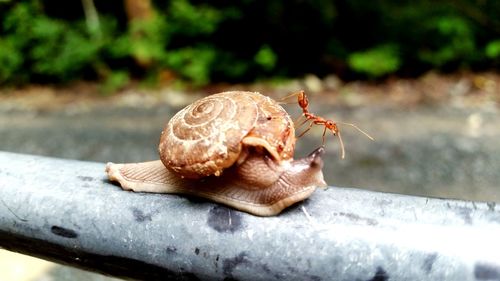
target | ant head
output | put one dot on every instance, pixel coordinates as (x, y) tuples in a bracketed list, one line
[(332, 126)]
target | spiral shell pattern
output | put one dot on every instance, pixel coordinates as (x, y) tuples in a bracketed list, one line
[(207, 136)]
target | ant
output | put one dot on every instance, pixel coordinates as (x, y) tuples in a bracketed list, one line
[(303, 102)]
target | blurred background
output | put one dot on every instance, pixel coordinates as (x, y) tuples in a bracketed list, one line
[(96, 81), (116, 41)]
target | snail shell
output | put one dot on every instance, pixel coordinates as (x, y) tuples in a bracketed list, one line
[(235, 148), (213, 133)]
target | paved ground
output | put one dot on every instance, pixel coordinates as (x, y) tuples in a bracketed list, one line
[(442, 149), (437, 150)]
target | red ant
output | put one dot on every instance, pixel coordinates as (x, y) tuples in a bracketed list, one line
[(303, 102)]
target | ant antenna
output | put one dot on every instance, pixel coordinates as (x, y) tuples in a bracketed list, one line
[(357, 128), (342, 150)]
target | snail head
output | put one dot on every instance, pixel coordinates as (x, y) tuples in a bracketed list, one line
[(308, 169)]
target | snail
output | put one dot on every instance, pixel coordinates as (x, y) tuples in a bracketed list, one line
[(235, 148)]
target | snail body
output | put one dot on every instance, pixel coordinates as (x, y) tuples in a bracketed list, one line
[(235, 148)]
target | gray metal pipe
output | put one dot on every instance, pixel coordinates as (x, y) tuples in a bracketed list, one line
[(68, 212)]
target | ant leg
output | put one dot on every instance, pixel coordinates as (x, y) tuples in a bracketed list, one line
[(308, 128), (299, 119), (283, 99), (324, 132)]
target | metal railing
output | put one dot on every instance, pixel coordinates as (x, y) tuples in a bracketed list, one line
[(67, 211)]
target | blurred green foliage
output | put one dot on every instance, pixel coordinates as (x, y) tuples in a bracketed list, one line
[(377, 61), (493, 49), (453, 41), (45, 41)]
